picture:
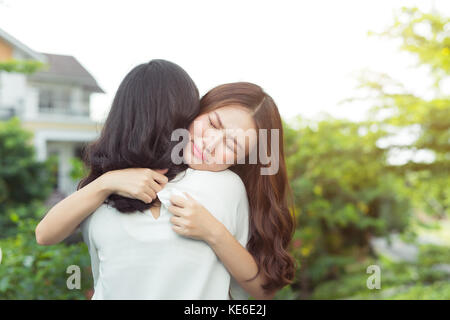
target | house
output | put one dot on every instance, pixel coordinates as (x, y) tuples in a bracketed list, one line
[(53, 103)]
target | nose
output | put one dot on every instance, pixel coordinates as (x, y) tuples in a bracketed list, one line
[(212, 140)]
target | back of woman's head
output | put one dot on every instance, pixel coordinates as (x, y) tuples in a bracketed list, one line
[(152, 101)]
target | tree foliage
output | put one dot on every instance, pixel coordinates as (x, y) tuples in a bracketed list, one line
[(427, 37), (346, 187), (24, 181), (21, 66), (343, 195)]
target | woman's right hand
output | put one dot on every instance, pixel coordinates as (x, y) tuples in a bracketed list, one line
[(136, 183)]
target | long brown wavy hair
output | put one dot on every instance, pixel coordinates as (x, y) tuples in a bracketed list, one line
[(272, 219)]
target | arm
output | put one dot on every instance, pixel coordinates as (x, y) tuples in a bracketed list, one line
[(191, 219), (64, 217), (238, 261)]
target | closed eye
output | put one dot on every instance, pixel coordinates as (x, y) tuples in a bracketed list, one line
[(211, 123)]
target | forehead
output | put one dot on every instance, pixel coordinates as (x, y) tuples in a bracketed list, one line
[(235, 117)]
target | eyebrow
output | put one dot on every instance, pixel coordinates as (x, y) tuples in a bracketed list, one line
[(218, 119), (221, 126)]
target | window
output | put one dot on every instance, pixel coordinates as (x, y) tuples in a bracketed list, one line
[(55, 99), (46, 99)]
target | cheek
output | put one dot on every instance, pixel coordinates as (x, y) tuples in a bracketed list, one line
[(229, 156), (222, 155), (198, 127)]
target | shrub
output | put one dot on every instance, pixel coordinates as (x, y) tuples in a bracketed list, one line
[(24, 181), (32, 271)]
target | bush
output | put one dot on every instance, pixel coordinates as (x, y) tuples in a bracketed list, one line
[(24, 181), (343, 194), (32, 271), (436, 291), (399, 280)]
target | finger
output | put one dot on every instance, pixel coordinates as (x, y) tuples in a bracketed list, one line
[(178, 229), (161, 171), (178, 201), (152, 194), (189, 197), (155, 186), (178, 221), (141, 194), (159, 177), (145, 198), (176, 211), (146, 190)]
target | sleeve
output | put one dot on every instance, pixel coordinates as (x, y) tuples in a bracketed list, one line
[(85, 228), (242, 233)]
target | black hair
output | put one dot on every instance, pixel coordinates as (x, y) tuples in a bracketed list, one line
[(152, 101)]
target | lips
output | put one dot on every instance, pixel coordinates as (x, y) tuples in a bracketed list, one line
[(196, 151)]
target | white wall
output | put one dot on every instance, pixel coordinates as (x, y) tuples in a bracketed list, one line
[(31, 102), (13, 88)]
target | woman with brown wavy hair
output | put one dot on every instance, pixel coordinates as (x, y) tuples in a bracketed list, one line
[(272, 224), (265, 265)]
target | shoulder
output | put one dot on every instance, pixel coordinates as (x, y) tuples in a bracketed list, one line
[(104, 210), (225, 176), (225, 180), (103, 225)]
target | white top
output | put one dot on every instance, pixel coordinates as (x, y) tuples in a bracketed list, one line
[(135, 256)]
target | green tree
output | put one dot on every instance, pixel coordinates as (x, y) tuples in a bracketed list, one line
[(345, 188), (28, 270), (343, 195), (426, 36), (31, 271), (24, 182), (21, 66)]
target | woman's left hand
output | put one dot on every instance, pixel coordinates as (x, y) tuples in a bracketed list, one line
[(193, 220)]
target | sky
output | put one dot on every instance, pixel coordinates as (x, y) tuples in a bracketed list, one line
[(305, 54)]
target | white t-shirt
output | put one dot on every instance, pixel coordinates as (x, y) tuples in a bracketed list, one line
[(135, 256)]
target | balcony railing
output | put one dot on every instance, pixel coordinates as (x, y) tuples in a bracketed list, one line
[(62, 109)]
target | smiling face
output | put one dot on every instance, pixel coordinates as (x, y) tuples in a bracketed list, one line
[(220, 138)]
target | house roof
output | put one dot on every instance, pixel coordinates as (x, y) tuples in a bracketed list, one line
[(66, 69), (60, 68), (16, 43)]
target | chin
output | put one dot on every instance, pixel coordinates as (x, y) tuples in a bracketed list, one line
[(209, 167)]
